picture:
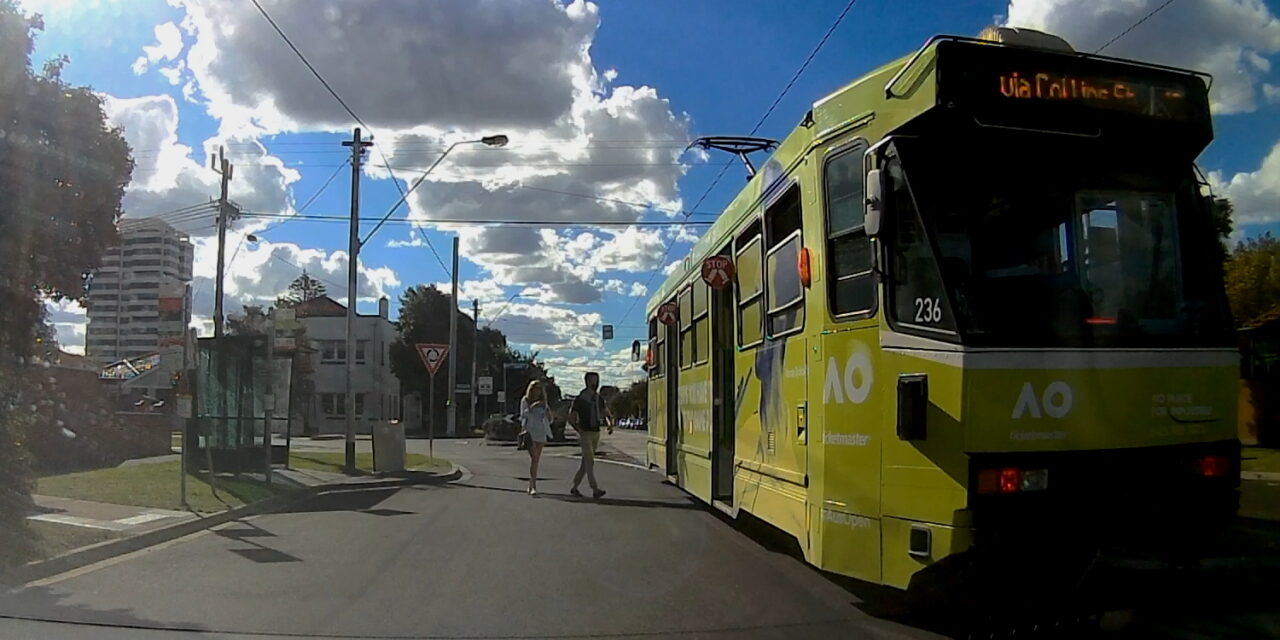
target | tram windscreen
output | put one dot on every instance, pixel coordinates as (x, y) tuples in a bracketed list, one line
[(1047, 258)]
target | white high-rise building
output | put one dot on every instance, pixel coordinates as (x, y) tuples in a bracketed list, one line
[(140, 298)]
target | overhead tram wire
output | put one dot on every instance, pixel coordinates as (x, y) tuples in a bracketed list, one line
[(782, 94), (350, 112), (333, 218), (1133, 26), (288, 218)]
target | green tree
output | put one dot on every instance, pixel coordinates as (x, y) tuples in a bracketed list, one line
[(63, 170), (303, 289), (424, 318), (1253, 279), (632, 402)]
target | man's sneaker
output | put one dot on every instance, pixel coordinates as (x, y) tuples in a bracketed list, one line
[(574, 492), (597, 493)]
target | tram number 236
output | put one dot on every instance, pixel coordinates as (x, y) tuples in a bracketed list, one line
[(928, 310)]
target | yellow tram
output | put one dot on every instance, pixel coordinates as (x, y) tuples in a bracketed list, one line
[(975, 316)]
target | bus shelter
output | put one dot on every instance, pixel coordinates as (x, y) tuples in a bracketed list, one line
[(230, 395)]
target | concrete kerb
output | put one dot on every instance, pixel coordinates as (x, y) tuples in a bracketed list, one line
[(95, 553)]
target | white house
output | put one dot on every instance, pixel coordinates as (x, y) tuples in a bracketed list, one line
[(377, 390)]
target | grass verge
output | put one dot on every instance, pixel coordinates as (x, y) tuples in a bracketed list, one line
[(334, 462), (155, 485), (53, 538), (1260, 459)]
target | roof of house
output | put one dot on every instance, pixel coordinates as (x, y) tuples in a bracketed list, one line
[(321, 307)]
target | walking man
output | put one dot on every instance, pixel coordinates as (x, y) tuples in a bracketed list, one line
[(586, 416)]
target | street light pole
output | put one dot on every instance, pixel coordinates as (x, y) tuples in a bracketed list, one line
[(475, 350), (358, 145), (451, 409)]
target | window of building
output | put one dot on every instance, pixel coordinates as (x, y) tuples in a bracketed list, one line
[(851, 287), (333, 404), (686, 327), (750, 285), (359, 397), (333, 351), (785, 293), (361, 347)]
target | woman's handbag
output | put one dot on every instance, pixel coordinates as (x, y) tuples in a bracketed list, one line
[(524, 441)]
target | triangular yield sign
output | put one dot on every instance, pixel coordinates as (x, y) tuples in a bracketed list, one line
[(432, 355)]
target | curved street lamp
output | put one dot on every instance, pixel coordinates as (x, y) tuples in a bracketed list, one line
[(495, 141)]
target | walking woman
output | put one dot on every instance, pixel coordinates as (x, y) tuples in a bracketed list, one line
[(535, 415)]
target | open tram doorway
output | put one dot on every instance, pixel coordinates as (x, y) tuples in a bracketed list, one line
[(723, 394)]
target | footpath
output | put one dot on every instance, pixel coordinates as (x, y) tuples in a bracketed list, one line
[(102, 530)]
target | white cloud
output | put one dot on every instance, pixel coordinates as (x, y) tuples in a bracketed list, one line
[(1230, 39), (639, 290), (166, 176), (1254, 194), (69, 320), (615, 368), (168, 46), (671, 268), (1271, 92), (457, 71), (398, 63)]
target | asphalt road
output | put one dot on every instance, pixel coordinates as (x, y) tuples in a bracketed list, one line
[(477, 558)]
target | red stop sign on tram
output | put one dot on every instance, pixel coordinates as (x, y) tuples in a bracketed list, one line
[(668, 313), (717, 271)]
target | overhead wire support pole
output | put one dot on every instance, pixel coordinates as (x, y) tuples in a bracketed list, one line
[(475, 350), (451, 409), (358, 146)]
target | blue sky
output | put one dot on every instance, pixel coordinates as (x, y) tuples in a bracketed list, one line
[(636, 78)]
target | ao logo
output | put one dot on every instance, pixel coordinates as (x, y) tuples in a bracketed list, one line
[(854, 382), (1056, 400)]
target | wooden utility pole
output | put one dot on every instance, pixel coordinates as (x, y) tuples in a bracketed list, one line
[(225, 169), (358, 146)]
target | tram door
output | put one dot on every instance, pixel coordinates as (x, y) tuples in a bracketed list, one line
[(723, 393), (673, 397)]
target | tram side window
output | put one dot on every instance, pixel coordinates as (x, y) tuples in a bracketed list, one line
[(750, 287), (851, 286), (655, 350), (701, 323), (918, 297), (785, 294), (686, 328)]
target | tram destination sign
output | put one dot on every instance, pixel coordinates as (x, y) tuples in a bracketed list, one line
[(1012, 82)]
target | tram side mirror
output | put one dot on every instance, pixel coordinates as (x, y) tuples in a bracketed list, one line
[(913, 405), (874, 203)]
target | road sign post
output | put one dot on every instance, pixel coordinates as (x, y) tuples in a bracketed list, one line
[(433, 355)]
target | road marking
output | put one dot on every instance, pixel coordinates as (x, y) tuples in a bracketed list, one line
[(144, 518), (77, 521)]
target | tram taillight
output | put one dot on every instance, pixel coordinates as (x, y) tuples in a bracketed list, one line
[(1215, 466), (1012, 480)]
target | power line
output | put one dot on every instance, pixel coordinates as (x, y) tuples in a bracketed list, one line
[(487, 221), (306, 62), (790, 83), (342, 102), (277, 225), (1134, 26)]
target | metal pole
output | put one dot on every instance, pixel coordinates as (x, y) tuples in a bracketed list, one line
[(451, 409), (475, 368), (269, 399), (431, 417), (358, 146)]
